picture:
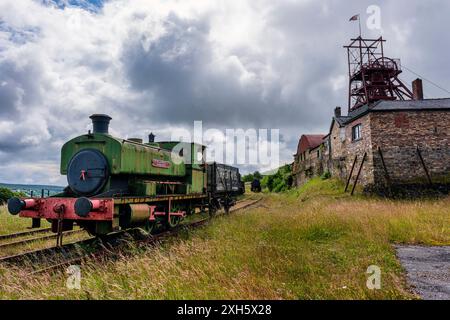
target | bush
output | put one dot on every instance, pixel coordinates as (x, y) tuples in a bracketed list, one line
[(326, 175), (280, 181)]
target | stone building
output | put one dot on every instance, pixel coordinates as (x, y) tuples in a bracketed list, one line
[(404, 142), (401, 142), (308, 159)]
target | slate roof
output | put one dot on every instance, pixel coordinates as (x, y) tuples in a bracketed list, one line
[(428, 104), (396, 105)]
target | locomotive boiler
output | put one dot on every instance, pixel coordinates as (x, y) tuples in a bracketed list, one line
[(116, 184)]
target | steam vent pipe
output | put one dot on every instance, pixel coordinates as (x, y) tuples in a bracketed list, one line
[(100, 123)]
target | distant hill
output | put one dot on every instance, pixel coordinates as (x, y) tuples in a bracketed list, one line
[(32, 189)]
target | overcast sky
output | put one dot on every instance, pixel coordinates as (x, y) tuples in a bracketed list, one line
[(160, 65)]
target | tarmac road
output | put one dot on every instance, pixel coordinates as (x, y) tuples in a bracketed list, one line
[(428, 270)]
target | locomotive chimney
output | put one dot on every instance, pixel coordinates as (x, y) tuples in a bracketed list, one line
[(417, 87), (100, 123), (151, 138), (337, 112)]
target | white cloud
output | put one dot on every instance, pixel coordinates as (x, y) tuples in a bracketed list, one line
[(158, 65)]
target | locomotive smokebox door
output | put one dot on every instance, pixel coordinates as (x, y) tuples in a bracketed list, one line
[(87, 172)]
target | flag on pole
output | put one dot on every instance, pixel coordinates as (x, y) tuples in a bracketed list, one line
[(356, 18)]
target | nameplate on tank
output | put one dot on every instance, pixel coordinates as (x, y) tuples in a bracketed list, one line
[(160, 164)]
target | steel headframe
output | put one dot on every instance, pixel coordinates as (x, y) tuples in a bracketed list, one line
[(372, 75)]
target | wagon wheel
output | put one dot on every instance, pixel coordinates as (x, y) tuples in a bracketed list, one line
[(227, 205), (214, 205), (212, 211)]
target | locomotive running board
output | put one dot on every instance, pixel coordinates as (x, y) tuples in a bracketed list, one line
[(131, 200)]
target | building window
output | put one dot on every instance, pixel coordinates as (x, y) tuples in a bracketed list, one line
[(357, 132), (342, 134)]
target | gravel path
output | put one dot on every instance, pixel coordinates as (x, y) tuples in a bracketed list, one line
[(428, 270)]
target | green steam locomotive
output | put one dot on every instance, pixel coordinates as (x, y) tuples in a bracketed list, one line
[(115, 184)]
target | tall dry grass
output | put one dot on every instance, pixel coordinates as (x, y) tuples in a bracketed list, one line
[(11, 224), (313, 243)]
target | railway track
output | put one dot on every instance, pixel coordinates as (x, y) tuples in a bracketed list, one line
[(23, 234), (109, 251), (34, 239), (55, 258)]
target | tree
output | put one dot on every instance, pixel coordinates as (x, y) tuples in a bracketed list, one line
[(6, 194), (248, 178), (257, 175)]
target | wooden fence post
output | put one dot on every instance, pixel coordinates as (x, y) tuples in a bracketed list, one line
[(384, 166), (424, 166), (359, 173), (351, 173)]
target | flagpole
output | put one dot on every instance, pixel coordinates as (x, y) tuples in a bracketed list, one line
[(357, 17), (359, 20)]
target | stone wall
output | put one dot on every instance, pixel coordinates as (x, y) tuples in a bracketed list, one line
[(344, 151), (336, 161), (398, 134), (358, 148), (312, 166)]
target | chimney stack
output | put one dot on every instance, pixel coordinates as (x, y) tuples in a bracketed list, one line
[(151, 138), (100, 122), (337, 112), (417, 87)]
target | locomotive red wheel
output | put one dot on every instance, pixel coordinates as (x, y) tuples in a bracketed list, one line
[(173, 221)]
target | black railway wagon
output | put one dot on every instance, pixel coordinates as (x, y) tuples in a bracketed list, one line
[(224, 179), (256, 185), (224, 183)]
